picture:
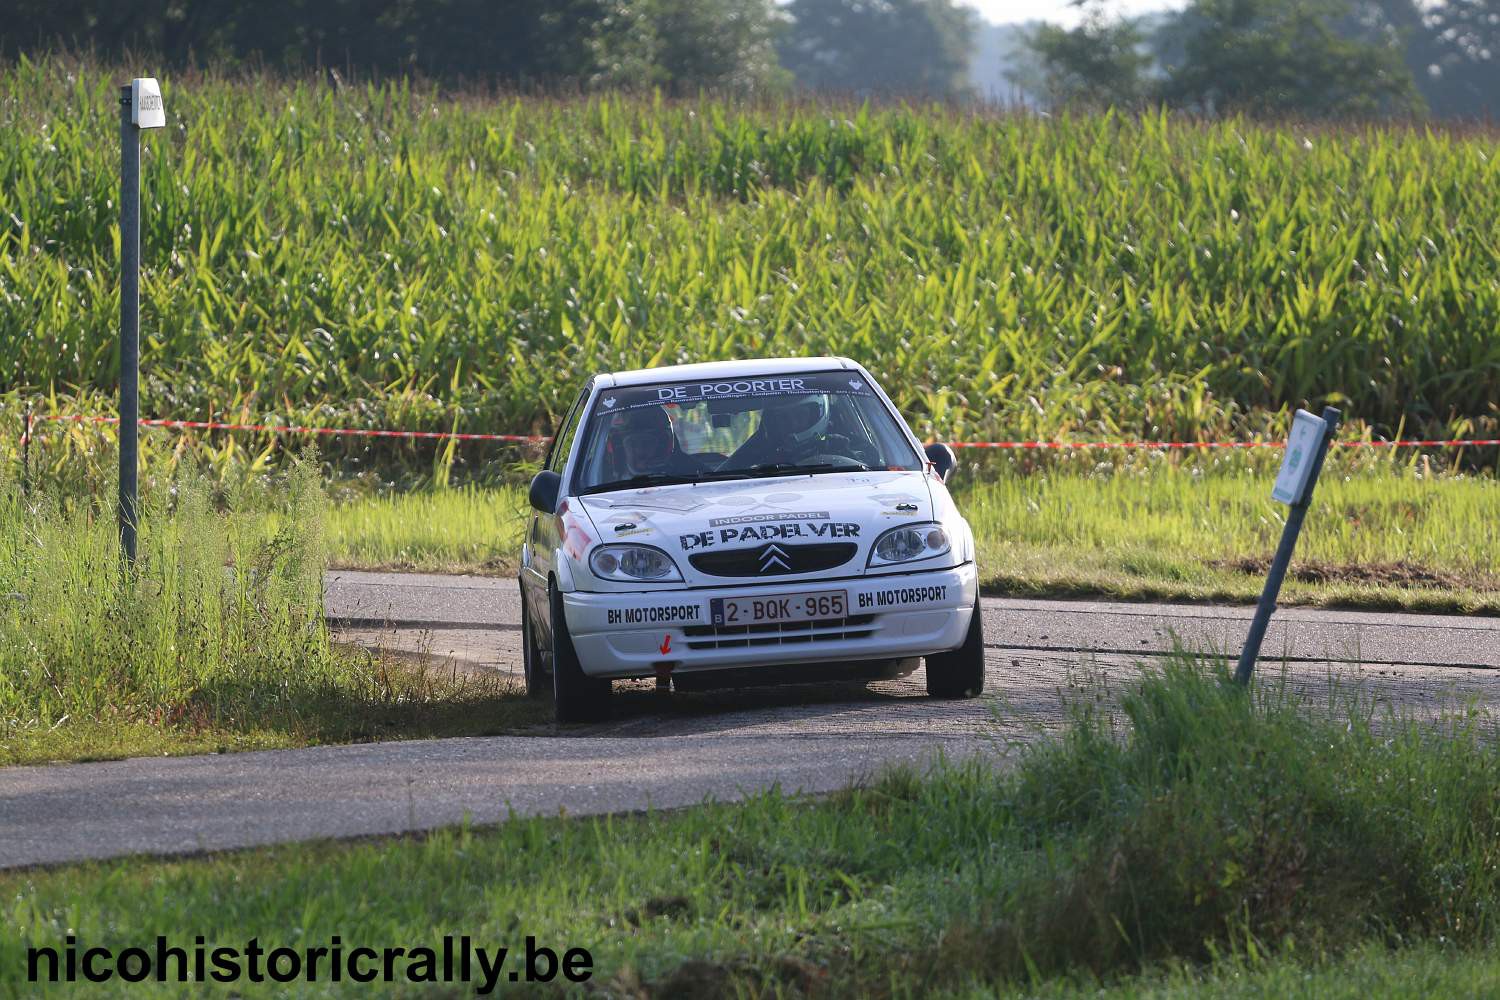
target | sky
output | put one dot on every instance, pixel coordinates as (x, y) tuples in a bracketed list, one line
[(1057, 11)]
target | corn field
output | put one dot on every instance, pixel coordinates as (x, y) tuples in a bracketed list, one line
[(385, 256)]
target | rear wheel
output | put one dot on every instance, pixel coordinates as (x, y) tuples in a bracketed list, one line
[(533, 663), (576, 696), (959, 673)]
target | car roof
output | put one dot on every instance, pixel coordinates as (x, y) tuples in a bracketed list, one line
[(725, 369)]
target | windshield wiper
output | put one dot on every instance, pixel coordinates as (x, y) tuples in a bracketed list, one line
[(763, 471), (712, 477), (811, 469), (642, 480)]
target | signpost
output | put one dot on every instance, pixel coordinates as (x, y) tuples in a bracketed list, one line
[(1306, 446), (140, 108)]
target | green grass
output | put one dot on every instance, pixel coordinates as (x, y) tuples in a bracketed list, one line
[(1380, 536), (1206, 840), (184, 655), (463, 530), (1414, 973), (386, 256)]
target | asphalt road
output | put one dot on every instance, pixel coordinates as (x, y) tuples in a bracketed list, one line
[(678, 750), (440, 603)]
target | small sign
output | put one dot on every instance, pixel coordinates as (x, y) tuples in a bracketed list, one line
[(1302, 446), (146, 109)]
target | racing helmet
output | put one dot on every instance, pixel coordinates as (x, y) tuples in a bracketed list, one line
[(797, 419), (645, 439)]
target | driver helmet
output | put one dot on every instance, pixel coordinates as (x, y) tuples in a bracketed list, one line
[(797, 419), (646, 440)]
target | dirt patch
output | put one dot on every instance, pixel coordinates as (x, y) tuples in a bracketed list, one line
[(1391, 574)]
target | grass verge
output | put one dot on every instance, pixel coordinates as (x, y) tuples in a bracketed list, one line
[(1378, 537), (181, 654), (1384, 536), (1208, 840)]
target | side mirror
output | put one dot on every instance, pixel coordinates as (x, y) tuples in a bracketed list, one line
[(544, 489), (942, 458)]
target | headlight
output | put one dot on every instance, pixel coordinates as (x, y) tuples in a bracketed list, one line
[(633, 564), (909, 543)]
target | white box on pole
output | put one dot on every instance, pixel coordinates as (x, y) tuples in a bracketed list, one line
[(1296, 465), (146, 109)]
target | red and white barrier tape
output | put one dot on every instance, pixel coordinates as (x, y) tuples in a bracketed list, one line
[(1154, 445), (211, 425)]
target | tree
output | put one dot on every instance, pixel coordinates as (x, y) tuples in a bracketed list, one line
[(912, 47), (1280, 58), (1101, 63), (514, 41), (688, 45), (136, 26), (681, 44)]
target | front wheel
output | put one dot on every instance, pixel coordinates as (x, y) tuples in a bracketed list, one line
[(576, 696), (960, 672)]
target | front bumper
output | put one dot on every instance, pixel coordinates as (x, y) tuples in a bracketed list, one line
[(890, 617)]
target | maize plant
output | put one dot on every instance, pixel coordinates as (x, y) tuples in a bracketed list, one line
[(385, 255)]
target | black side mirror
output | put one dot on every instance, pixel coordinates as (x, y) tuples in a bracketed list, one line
[(942, 458), (544, 489)]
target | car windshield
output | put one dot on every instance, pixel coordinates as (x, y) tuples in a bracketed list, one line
[(743, 428)]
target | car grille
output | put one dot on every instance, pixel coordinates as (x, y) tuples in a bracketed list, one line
[(774, 559), (779, 633)]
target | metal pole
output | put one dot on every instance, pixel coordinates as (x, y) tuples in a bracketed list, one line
[(130, 318), (1283, 558)]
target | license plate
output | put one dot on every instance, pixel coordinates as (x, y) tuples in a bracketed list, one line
[(765, 608)]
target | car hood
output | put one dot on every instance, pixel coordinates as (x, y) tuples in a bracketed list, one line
[(758, 531)]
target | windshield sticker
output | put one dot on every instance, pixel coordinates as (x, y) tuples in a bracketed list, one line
[(693, 393), (898, 596), (768, 532), (739, 387), (811, 515)]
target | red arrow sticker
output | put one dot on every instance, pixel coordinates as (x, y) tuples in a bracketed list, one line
[(666, 644)]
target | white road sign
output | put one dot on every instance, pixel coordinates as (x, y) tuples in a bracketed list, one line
[(146, 109), (1296, 466)]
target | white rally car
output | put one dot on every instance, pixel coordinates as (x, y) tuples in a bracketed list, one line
[(700, 522)]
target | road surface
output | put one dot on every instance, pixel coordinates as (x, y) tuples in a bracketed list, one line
[(663, 752)]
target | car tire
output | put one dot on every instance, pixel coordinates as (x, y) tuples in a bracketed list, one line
[(533, 663), (576, 697), (959, 673)]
